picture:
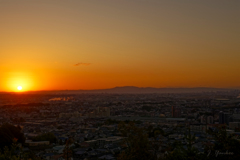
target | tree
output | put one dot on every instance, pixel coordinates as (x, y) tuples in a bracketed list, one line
[(67, 152), (9, 154), (46, 137), (9, 132), (155, 132), (137, 142), (14, 152), (188, 153), (224, 143)]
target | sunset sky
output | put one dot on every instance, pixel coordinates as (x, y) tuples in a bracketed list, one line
[(96, 44)]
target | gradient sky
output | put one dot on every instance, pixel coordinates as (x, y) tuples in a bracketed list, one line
[(95, 44)]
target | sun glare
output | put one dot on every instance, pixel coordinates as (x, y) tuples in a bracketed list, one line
[(19, 82), (19, 88)]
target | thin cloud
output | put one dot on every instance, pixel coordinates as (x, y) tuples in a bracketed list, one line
[(81, 64)]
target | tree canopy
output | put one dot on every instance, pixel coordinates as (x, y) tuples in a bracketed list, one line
[(137, 142), (46, 137), (9, 133)]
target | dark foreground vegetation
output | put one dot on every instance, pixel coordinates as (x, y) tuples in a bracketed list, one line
[(140, 143)]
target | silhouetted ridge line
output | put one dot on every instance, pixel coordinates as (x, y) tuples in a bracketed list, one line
[(130, 90)]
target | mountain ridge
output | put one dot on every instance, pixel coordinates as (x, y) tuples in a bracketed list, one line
[(134, 90)]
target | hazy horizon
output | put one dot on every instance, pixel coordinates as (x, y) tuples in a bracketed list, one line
[(134, 89)]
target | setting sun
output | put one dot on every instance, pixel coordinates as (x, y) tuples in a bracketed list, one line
[(19, 88), (55, 45), (19, 81)]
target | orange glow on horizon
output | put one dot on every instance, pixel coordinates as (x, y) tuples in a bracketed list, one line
[(73, 45), (17, 82)]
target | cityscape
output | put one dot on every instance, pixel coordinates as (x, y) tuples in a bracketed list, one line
[(92, 122), (119, 80)]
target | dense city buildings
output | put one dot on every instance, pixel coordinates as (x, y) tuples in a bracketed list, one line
[(90, 121), (176, 112)]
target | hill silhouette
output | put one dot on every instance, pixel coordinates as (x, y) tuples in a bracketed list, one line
[(135, 90)]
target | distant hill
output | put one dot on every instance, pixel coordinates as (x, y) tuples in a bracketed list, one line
[(132, 89), (136, 90)]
